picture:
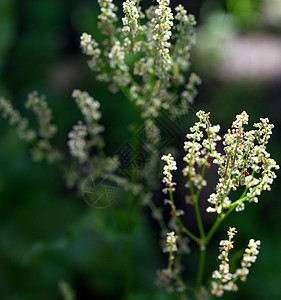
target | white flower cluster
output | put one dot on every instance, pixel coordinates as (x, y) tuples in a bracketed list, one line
[(107, 16), (186, 38), (17, 120), (185, 26), (77, 142), (132, 28), (200, 149), (223, 276), (90, 110), (249, 257), (161, 30), (39, 139), (171, 245), (245, 163), (117, 63), (168, 168), (39, 106), (223, 279), (145, 78), (130, 21), (89, 46), (88, 106)]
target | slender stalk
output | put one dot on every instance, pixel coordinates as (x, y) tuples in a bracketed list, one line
[(214, 228), (132, 210), (160, 221), (200, 272), (196, 206), (199, 220), (202, 257), (220, 219), (195, 198), (182, 227), (100, 151), (128, 267)]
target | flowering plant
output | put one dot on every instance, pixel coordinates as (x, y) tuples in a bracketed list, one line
[(244, 163), (148, 60)]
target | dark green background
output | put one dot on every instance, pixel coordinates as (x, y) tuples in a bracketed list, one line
[(47, 232)]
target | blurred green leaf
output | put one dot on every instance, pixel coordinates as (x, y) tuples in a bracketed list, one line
[(66, 290)]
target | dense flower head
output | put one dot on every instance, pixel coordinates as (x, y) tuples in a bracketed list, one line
[(147, 56), (39, 137), (117, 57), (223, 280), (245, 162), (107, 8), (200, 146), (89, 107), (17, 120), (185, 37), (161, 30), (39, 106), (185, 26), (231, 232), (222, 276), (249, 257), (241, 120), (107, 16), (89, 45), (130, 21), (168, 168), (117, 63), (77, 142), (90, 110), (171, 245)]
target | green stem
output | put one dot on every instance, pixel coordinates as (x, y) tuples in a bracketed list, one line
[(129, 270), (214, 228), (160, 221), (196, 206), (199, 220), (182, 227), (201, 266), (220, 218), (132, 211), (100, 151)]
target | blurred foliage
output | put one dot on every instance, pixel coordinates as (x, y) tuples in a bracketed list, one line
[(47, 233), (7, 30)]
